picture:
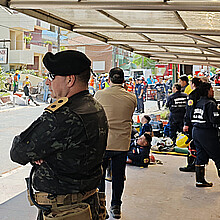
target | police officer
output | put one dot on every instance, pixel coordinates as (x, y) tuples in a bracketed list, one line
[(139, 92), (205, 121), (160, 87), (67, 142), (139, 155), (193, 98), (177, 105)]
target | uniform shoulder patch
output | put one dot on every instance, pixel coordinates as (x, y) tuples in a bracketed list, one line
[(56, 105), (190, 102)]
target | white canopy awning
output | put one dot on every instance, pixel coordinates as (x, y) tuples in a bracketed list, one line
[(175, 31)]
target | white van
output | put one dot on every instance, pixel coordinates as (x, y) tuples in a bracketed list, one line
[(137, 73)]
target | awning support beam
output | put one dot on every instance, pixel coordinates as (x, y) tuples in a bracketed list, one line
[(119, 5), (148, 30)]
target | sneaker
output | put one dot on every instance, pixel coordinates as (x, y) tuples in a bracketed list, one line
[(115, 211)]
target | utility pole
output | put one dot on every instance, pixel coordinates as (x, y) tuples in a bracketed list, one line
[(114, 57), (58, 40)]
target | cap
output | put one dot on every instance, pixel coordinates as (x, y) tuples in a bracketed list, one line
[(65, 63), (26, 77)]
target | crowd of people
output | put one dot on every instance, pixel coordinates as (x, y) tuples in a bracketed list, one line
[(15, 84), (70, 145)]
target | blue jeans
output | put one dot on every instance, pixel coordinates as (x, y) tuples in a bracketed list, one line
[(118, 164), (45, 95)]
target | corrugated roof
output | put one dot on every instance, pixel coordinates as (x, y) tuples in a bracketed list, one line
[(178, 31)]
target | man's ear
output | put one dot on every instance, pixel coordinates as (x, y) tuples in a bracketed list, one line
[(71, 80)]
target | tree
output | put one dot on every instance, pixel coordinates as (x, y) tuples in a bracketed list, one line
[(28, 38), (148, 63), (48, 42), (2, 80)]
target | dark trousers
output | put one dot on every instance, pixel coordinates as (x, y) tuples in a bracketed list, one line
[(160, 97), (118, 159), (174, 127), (15, 88), (207, 145), (93, 201), (140, 104)]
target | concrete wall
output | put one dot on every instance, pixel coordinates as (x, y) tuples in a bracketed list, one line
[(98, 53), (34, 79), (13, 19), (38, 49), (21, 57)]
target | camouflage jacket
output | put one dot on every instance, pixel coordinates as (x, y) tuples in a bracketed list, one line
[(71, 140)]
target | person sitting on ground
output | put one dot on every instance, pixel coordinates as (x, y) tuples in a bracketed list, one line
[(146, 127), (139, 155)]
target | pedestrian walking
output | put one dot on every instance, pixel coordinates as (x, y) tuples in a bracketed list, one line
[(160, 87), (119, 106)]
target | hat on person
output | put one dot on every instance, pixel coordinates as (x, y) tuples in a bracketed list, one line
[(27, 77), (65, 63)]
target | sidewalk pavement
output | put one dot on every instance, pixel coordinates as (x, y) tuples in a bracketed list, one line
[(159, 192)]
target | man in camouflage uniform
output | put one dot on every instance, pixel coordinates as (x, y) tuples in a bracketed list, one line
[(68, 140)]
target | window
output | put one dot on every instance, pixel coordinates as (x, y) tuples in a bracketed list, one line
[(98, 66)]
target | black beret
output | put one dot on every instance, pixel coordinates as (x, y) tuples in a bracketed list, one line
[(65, 63)]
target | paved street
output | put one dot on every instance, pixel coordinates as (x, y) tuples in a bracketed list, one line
[(159, 192), (12, 122)]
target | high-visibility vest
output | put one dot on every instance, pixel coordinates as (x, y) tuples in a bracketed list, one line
[(106, 85), (188, 90), (130, 88)]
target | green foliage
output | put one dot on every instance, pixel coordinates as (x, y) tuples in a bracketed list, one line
[(148, 63), (165, 114), (48, 42), (62, 48), (213, 70), (28, 38), (2, 80), (28, 71)]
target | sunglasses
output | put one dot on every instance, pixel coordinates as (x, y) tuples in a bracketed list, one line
[(51, 76)]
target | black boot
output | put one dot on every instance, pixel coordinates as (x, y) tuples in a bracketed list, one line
[(191, 165), (200, 177)]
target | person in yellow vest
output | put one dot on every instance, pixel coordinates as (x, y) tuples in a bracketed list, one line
[(185, 87), (26, 88)]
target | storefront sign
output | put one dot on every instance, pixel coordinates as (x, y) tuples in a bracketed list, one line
[(3, 55)]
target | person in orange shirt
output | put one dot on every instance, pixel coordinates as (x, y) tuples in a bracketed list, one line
[(100, 84), (91, 83), (15, 82), (130, 85)]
